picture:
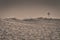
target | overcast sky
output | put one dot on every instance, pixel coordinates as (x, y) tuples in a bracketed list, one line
[(29, 8)]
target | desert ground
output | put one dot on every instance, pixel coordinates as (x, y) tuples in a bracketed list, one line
[(29, 29)]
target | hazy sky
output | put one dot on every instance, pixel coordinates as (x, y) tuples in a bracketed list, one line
[(29, 8)]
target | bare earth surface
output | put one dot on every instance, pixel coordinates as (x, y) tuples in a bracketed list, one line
[(41, 29)]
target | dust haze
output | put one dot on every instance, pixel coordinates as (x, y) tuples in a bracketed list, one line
[(29, 8)]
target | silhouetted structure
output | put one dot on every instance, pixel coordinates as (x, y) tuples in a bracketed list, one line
[(48, 14)]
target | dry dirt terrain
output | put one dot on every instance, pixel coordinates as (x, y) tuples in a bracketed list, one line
[(29, 29)]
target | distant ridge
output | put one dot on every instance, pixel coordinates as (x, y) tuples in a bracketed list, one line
[(30, 19), (40, 18), (12, 19)]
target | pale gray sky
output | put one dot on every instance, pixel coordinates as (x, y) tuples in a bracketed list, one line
[(29, 8)]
